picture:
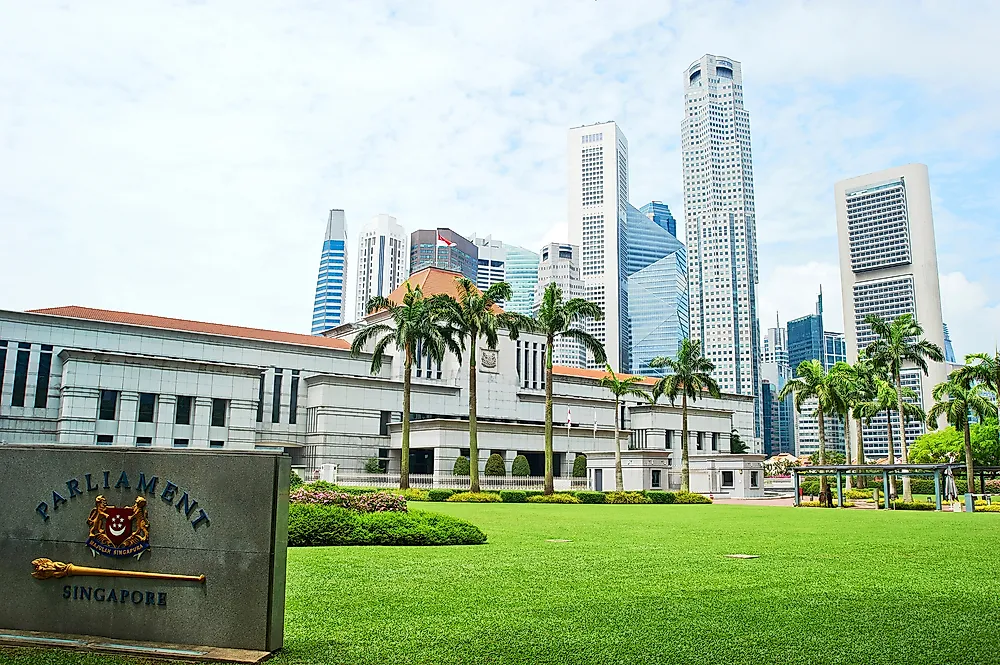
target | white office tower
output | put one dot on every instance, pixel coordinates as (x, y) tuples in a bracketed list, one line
[(720, 231), (888, 267), (383, 260), (492, 260), (559, 263), (598, 200)]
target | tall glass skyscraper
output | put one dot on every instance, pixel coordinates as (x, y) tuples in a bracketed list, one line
[(805, 338), (328, 307), (522, 275), (660, 213)]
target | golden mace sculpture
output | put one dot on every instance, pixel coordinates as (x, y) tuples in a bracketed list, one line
[(47, 568)]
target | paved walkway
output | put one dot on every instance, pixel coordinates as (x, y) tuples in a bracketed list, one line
[(757, 502)]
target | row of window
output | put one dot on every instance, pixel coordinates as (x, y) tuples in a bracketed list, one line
[(147, 441), (21, 362), (107, 408), (293, 405)]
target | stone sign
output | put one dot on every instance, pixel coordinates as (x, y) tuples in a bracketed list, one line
[(181, 547)]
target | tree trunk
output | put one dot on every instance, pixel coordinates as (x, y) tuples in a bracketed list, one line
[(685, 469), (968, 458), (907, 495), (862, 480), (549, 484), (473, 425), (404, 458), (822, 449), (847, 449), (892, 452), (619, 482)]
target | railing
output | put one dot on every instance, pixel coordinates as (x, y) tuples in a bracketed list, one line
[(431, 481)]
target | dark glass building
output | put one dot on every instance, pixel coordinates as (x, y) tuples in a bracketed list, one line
[(445, 249)]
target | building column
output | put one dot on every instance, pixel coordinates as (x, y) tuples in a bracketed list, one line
[(128, 414), (166, 410)]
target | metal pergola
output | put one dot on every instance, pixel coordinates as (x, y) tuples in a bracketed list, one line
[(884, 470)]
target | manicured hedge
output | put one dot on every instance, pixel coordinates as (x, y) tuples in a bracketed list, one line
[(661, 497), (461, 467), (580, 466), (520, 466), (439, 494), (474, 497), (690, 497), (992, 508), (316, 525), (913, 505), (553, 498), (818, 504), (513, 496), (626, 498), (495, 466), (589, 497)]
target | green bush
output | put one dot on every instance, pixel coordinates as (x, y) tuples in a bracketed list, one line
[(461, 467), (372, 465), (439, 494), (295, 481), (319, 525), (520, 466), (589, 497), (513, 496), (474, 497), (661, 497), (580, 466), (993, 508), (553, 498), (690, 497), (817, 504), (411, 494), (495, 466), (857, 494), (531, 493), (913, 505), (625, 497)]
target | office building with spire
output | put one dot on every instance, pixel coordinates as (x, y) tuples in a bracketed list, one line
[(329, 304), (383, 260)]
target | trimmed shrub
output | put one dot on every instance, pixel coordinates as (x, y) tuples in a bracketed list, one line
[(589, 497), (495, 466), (661, 497), (580, 466), (625, 497), (372, 465), (690, 497), (858, 494), (913, 505), (553, 498), (817, 504), (461, 467), (513, 496), (412, 494), (520, 466), (474, 497), (439, 494), (319, 525), (531, 493), (295, 481), (373, 502), (993, 508)]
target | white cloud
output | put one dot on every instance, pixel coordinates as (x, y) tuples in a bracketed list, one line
[(789, 291), (972, 314)]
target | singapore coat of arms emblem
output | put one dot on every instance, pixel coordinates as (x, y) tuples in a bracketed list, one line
[(118, 532)]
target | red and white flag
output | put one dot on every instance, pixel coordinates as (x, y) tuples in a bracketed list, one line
[(444, 242)]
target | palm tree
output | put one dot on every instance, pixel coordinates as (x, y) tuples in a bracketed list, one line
[(813, 382), (900, 343), (474, 315), (858, 391), (558, 319), (628, 386), (849, 387), (955, 400), (981, 368), (416, 323), (690, 374)]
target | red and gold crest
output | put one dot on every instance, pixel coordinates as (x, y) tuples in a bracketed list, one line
[(118, 532)]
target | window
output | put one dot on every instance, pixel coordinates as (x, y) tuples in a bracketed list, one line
[(715, 440), (105, 439), (20, 374), (216, 444), (727, 479), (701, 440), (108, 405), (276, 398), (3, 362), (754, 479), (293, 404), (147, 405), (218, 413), (180, 443), (183, 414), (260, 400), (143, 441), (655, 480), (670, 438), (42, 385)]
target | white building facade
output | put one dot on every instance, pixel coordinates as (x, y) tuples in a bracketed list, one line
[(383, 260), (560, 264), (888, 267), (720, 226)]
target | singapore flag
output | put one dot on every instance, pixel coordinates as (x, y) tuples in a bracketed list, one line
[(444, 242)]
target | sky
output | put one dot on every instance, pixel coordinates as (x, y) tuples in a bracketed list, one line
[(179, 158)]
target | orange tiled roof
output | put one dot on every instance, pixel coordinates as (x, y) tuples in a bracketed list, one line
[(432, 281), (595, 374), (162, 322)]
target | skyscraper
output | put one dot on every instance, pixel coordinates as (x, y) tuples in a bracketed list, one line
[(659, 212), (445, 249), (491, 267), (805, 337), (888, 267), (949, 350), (522, 275), (836, 348), (598, 202), (720, 230), (382, 260), (778, 416), (328, 307), (559, 263)]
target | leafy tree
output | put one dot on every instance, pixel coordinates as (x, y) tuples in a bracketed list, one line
[(899, 343), (580, 466), (736, 445), (936, 447), (461, 467), (558, 319), (690, 375), (627, 386), (520, 466), (812, 381), (295, 481), (980, 368), (956, 402), (495, 466), (372, 465), (834, 457), (855, 383), (476, 315), (416, 321)]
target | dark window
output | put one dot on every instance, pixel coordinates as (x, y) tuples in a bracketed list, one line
[(44, 369), (383, 422), (105, 439), (183, 414), (727, 479), (20, 374), (109, 405), (544, 363), (655, 480), (293, 403), (260, 401), (715, 440), (180, 443), (755, 477), (383, 459), (216, 444), (518, 355), (701, 440), (218, 413), (143, 441), (670, 438), (534, 366), (3, 362), (147, 404), (276, 398)]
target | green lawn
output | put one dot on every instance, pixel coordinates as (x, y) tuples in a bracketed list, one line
[(649, 584)]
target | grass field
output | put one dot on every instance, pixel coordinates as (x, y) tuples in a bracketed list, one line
[(650, 584)]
